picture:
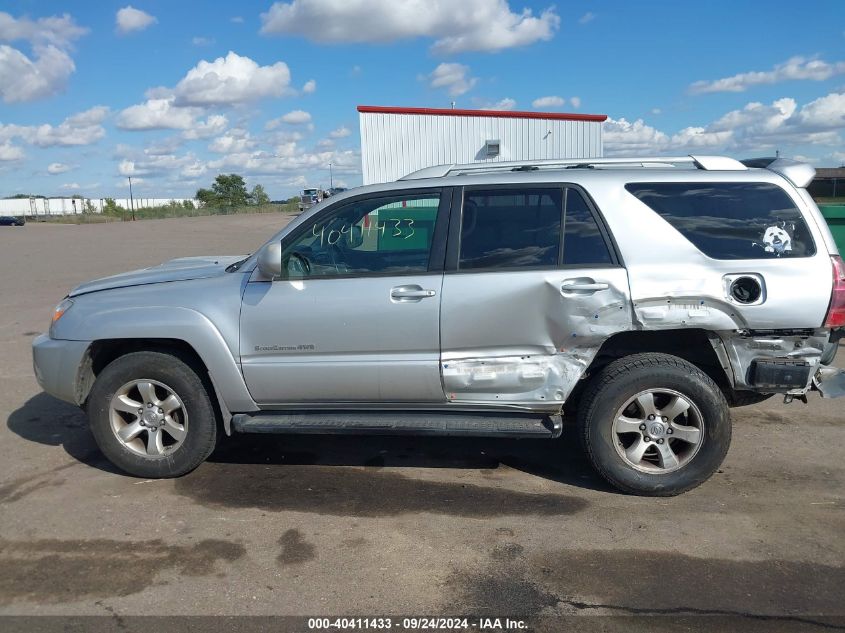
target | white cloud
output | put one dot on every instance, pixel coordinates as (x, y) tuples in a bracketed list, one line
[(83, 128), (309, 87), (127, 168), (59, 31), (92, 116), (161, 147), (230, 80), (755, 127), (825, 113), (587, 18), (504, 104), (23, 79), (471, 25), (202, 41), (622, 137), (27, 78), (287, 159), (236, 20), (234, 141), (453, 77), (57, 168), (193, 170), (283, 138), (548, 102), (10, 152), (130, 19), (213, 125), (796, 68), (159, 92), (177, 168), (295, 117), (341, 132), (575, 101), (71, 186), (157, 114)]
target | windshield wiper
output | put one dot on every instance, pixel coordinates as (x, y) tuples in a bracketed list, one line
[(233, 267)]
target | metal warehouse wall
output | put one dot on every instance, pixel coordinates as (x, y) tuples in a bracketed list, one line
[(397, 141)]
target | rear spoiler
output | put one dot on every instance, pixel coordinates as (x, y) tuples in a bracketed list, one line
[(799, 174)]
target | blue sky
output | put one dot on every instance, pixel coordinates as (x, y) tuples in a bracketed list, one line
[(172, 93)]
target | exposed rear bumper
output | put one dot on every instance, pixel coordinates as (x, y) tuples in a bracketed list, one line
[(57, 364)]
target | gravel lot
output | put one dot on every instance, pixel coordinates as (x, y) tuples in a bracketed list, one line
[(373, 525)]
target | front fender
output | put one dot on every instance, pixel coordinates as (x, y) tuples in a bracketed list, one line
[(165, 322)]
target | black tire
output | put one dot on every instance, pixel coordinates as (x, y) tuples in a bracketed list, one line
[(625, 378), (177, 374)]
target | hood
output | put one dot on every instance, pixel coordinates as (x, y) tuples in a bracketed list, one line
[(181, 269)]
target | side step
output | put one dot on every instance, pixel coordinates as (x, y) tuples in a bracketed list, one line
[(399, 423)]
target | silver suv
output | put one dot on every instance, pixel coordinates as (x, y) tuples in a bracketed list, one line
[(640, 297)]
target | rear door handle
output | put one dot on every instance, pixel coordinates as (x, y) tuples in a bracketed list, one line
[(410, 293), (572, 285)]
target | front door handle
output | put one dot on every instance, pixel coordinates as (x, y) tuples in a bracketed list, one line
[(410, 293), (583, 286)]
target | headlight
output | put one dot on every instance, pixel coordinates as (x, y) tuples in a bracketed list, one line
[(63, 307)]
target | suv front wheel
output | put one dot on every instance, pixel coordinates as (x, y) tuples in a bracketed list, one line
[(151, 415), (653, 424)]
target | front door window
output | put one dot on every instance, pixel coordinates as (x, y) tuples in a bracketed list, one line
[(374, 236)]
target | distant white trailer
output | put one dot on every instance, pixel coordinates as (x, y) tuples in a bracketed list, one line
[(397, 141), (34, 207)]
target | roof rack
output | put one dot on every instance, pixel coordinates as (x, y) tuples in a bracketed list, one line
[(711, 163)]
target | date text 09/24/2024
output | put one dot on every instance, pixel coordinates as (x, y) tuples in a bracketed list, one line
[(417, 624)]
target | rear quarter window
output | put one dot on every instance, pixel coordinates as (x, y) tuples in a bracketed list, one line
[(731, 220)]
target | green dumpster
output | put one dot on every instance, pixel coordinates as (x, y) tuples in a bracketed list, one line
[(835, 216)]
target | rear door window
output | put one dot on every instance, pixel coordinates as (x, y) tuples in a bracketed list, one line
[(583, 243), (731, 220), (510, 228)]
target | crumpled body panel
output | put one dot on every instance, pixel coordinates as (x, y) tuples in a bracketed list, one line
[(545, 337), (745, 347)]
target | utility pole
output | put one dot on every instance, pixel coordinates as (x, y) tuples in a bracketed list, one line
[(131, 199)]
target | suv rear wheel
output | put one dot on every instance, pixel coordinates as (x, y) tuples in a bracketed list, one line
[(151, 415), (653, 424)]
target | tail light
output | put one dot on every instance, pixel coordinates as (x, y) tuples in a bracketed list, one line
[(836, 312)]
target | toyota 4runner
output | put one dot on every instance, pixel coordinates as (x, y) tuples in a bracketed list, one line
[(640, 297)]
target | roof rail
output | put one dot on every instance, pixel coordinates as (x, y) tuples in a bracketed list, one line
[(701, 162)]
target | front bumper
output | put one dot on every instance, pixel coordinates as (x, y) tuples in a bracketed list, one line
[(57, 365)]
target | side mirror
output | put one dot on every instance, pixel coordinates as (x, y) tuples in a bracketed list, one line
[(270, 260)]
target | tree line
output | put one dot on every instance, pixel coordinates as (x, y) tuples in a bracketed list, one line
[(229, 190)]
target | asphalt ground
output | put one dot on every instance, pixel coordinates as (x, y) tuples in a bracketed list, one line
[(363, 526)]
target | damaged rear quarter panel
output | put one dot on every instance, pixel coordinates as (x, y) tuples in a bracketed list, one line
[(745, 347), (674, 285), (517, 339)]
